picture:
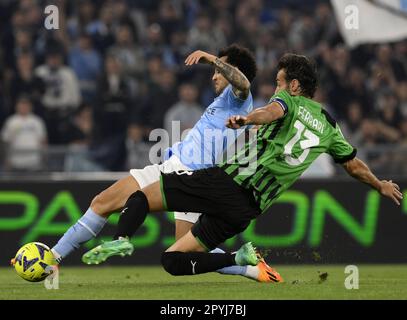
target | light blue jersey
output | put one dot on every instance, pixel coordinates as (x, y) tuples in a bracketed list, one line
[(209, 138)]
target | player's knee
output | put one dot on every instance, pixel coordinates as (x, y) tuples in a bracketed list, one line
[(169, 261), (96, 204), (100, 205)]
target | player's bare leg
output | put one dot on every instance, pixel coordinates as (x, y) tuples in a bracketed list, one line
[(90, 224), (133, 215), (114, 197), (187, 243), (181, 228)]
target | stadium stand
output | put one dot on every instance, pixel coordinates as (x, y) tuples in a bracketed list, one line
[(112, 73)]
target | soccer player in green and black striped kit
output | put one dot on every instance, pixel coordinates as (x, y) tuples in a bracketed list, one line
[(294, 130), (287, 146)]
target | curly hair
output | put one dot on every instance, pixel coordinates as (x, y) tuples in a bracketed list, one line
[(301, 68), (241, 58)]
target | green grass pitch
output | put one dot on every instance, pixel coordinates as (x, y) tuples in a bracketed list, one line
[(301, 282)]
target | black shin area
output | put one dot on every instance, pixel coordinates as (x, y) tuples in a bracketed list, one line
[(188, 263), (133, 215)]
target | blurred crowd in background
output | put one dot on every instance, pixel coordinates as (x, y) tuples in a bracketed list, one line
[(86, 96)]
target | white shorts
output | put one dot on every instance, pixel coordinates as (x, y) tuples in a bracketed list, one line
[(152, 173)]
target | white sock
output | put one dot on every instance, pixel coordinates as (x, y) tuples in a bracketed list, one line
[(252, 272)]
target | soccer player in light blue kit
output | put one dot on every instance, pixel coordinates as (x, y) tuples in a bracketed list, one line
[(203, 146)]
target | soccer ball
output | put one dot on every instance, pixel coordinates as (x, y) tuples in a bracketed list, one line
[(34, 261)]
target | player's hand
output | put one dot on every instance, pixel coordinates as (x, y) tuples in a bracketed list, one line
[(391, 190), (199, 56), (236, 122)]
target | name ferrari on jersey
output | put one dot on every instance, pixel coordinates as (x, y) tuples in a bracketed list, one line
[(307, 117)]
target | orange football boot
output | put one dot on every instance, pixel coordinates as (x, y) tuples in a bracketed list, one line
[(267, 273)]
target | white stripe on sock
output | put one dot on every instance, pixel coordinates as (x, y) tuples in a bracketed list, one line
[(217, 250), (87, 227)]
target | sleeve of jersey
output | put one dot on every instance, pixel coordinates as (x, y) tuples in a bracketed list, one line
[(340, 149), (232, 99), (283, 100)]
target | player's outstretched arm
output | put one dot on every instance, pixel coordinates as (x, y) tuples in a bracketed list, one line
[(359, 170), (239, 82), (264, 115)]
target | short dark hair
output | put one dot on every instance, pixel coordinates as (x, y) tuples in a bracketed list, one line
[(301, 68), (24, 97), (241, 58)]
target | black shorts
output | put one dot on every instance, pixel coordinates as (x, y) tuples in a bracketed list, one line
[(226, 208)]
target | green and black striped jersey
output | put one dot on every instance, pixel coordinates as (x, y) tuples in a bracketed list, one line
[(285, 148)]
